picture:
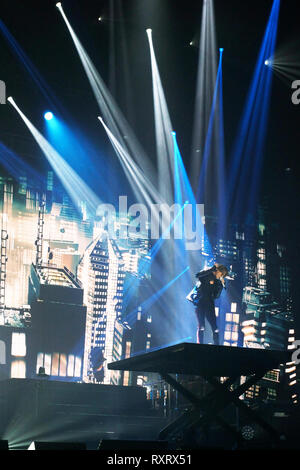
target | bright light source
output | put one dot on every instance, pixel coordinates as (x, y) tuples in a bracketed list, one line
[(48, 116), (74, 185), (191, 43), (100, 18), (10, 99), (58, 5), (268, 62), (149, 31), (221, 49)]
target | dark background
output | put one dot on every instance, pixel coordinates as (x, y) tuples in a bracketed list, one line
[(119, 49)]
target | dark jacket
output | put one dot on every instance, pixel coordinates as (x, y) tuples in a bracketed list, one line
[(206, 291)]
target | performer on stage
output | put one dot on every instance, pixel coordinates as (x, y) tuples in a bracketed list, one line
[(208, 288)]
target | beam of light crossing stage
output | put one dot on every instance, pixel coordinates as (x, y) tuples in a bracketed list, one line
[(109, 109), (71, 143), (179, 193), (165, 236), (163, 129), (220, 159), (285, 63), (146, 190), (144, 265), (179, 254), (167, 231), (198, 259), (17, 167), (131, 317), (183, 189), (287, 74), (154, 251), (246, 157), (77, 189), (203, 185), (29, 67), (114, 119), (206, 78), (149, 194), (142, 187)]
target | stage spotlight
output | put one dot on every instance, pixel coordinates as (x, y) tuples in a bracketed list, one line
[(10, 99), (58, 5), (221, 49), (267, 62), (48, 116), (100, 18), (191, 43)]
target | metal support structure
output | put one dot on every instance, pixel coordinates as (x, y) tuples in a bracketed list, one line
[(206, 410), (210, 363)]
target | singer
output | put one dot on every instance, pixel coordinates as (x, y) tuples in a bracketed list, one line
[(208, 288)]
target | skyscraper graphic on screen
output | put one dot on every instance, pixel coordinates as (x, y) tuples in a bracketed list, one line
[(101, 271)]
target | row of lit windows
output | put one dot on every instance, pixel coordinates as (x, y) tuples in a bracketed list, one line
[(232, 317), (252, 392), (99, 259), (18, 369), (231, 327), (231, 336), (18, 344), (240, 235), (261, 254), (272, 375), (59, 364)]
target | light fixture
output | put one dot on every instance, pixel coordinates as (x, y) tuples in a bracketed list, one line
[(48, 116)]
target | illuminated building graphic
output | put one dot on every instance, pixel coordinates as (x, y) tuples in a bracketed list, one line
[(268, 326), (265, 324), (112, 271), (232, 326), (15, 340), (65, 237), (101, 271), (65, 234), (58, 319)]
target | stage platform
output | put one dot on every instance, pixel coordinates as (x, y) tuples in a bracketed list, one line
[(230, 371), (204, 359), (34, 409)]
